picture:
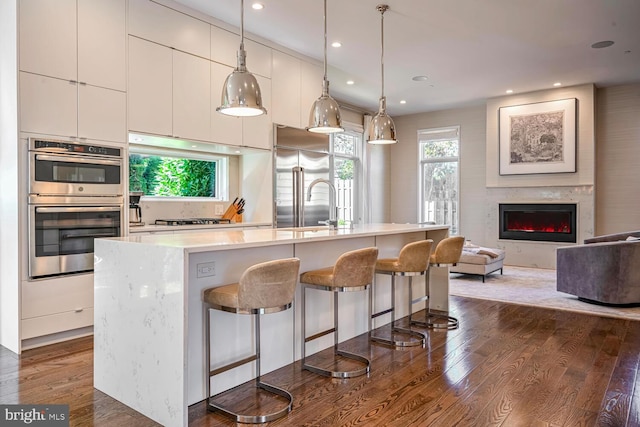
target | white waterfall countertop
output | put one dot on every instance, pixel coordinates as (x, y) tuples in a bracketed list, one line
[(217, 240)]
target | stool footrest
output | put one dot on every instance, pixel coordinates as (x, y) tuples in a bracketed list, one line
[(380, 313), (420, 341), (320, 334), (450, 322), (341, 374), (232, 365), (255, 419)]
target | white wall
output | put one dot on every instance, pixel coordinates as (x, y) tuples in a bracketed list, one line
[(404, 166), (9, 155), (617, 159)]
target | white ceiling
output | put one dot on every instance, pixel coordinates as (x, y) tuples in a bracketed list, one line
[(470, 50)]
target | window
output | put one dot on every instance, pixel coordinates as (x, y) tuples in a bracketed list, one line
[(346, 173), (168, 173), (439, 183)]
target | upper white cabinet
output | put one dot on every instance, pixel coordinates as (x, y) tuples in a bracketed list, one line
[(224, 129), (48, 38), (81, 41), (296, 85), (152, 21), (191, 96), (60, 107), (169, 91), (224, 49), (150, 87), (73, 74), (310, 89), (102, 43), (285, 87), (257, 131)]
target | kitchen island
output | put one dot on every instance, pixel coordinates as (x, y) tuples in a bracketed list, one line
[(148, 325)]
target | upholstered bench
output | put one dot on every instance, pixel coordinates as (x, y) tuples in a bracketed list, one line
[(479, 261)]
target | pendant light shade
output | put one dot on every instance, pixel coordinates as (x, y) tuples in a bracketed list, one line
[(382, 130), (325, 112), (241, 93)]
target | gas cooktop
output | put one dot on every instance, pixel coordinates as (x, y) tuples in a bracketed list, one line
[(192, 221)]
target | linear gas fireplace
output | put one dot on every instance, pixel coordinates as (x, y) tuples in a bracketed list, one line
[(544, 222)]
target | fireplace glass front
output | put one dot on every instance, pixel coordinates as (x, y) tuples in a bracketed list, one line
[(538, 222)]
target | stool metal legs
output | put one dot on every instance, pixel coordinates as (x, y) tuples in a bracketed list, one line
[(431, 318), (420, 338), (240, 418), (334, 330)]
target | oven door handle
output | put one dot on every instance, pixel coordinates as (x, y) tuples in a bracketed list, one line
[(78, 159), (78, 209), (84, 236)]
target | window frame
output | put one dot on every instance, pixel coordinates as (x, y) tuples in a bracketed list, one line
[(222, 170), (423, 160), (356, 157)]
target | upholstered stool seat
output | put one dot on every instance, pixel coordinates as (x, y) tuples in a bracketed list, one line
[(264, 288), (353, 271), (446, 254), (413, 260)]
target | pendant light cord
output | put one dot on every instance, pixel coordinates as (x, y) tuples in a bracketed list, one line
[(382, 9), (325, 40), (242, 24)]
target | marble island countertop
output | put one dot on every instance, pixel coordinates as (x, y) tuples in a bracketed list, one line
[(153, 228), (210, 240)]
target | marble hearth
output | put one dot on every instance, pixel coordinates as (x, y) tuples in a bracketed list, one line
[(535, 253)]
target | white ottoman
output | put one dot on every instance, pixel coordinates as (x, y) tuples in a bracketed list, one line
[(479, 261)]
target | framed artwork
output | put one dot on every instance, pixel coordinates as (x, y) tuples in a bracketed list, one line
[(538, 138)]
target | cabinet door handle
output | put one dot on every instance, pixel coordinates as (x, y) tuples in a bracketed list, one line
[(79, 310), (73, 82), (83, 83)]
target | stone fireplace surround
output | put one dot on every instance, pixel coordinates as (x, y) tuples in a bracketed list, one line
[(530, 253)]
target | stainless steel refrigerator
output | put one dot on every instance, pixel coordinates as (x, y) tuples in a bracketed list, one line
[(296, 150)]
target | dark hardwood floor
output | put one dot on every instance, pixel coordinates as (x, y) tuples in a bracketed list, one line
[(507, 365)]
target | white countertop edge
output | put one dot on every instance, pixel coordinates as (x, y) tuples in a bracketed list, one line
[(217, 240)]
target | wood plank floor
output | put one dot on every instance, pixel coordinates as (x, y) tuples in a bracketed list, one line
[(507, 365)]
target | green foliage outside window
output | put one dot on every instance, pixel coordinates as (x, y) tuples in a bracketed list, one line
[(168, 176)]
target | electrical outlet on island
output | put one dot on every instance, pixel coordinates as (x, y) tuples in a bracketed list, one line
[(219, 209)]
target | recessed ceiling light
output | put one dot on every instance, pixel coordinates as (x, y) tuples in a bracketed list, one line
[(336, 44), (556, 84), (257, 6), (350, 82), (600, 45), (509, 90), (420, 78), (403, 102)]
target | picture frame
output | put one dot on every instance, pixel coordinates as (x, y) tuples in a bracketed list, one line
[(538, 138)]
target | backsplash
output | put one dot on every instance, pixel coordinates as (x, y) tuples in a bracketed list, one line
[(176, 209)]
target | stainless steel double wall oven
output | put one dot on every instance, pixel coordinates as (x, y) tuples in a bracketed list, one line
[(75, 195)]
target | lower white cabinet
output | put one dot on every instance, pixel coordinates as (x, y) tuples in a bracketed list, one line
[(56, 305)]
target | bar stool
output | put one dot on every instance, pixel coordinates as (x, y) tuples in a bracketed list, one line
[(264, 288), (353, 271), (413, 260), (446, 254)]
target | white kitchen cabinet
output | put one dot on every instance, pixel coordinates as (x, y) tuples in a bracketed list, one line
[(150, 93), (102, 114), (191, 96), (152, 21), (310, 89), (48, 105), (224, 129), (102, 43), (53, 106), (257, 131), (48, 38), (56, 305), (81, 41), (169, 91), (285, 86), (259, 58)]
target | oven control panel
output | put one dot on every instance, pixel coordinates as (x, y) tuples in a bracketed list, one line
[(70, 147)]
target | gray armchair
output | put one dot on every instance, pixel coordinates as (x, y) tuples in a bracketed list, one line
[(604, 270)]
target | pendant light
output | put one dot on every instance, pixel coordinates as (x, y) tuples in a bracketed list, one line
[(382, 130), (241, 93), (325, 112)]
